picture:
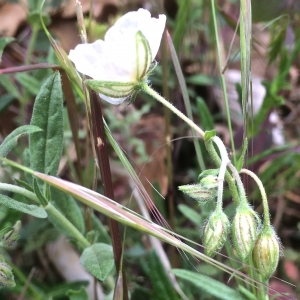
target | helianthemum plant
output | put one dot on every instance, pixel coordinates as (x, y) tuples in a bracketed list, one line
[(123, 60)]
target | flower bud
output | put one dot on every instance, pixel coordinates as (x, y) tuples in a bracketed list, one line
[(266, 252), (6, 275), (198, 192), (215, 232), (244, 231), (10, 238), (209, 182)]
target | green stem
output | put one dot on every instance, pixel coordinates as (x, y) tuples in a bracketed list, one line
[(223, 83), (239, 183), (224, 162), (263, 196), (210, 148), (19, 190), (169, 105), (61, 220), (231, 182)]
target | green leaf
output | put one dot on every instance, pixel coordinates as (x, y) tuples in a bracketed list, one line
[(46, 146), (3, 42), (209, 285), (200, 79), (34, 19), (69, 208), (98, 259), (112, 88), (190, 214), (80, 294), (29, 83), (209, 134), (143, 55), (12, 139), (7, 83), (5, 101), (5, 230), (183, 20), (23, 184), (206, 118), (38, 193), (162, 289), (29, 209)]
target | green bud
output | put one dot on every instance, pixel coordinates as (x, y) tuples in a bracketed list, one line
[(244, 231), (6, 275), (209, 182), (10, 238), (215, 232), (266, 252), (198, 192)]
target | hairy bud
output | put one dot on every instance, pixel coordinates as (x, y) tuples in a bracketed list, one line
[(266, 252), (244, 231), (198, 192), (6, 275), (10, 238), (215, 232)]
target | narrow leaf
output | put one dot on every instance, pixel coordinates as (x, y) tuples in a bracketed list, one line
[(3, 42), (204, 114), (29, 209), (80, 294), (98, 260), (211, 286), (46, 146), (12, 139), (190, 214)]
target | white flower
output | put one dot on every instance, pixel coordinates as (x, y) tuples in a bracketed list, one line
[(118, 63)]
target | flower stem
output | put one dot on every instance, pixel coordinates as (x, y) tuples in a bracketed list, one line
[(263, 196), (239, 183), (231, 182), (169, 105), (224, 162)]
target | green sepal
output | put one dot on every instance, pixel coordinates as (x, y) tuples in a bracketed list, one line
[(214, 172), (112, 89), (143, 54), (208, 134)]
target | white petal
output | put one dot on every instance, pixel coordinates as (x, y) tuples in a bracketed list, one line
[(89, 58), (100, 62), (132, 22), (114, 101)]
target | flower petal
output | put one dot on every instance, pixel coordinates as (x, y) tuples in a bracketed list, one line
[(100, 62), (135, 21), (88, 59), (114, 101)]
